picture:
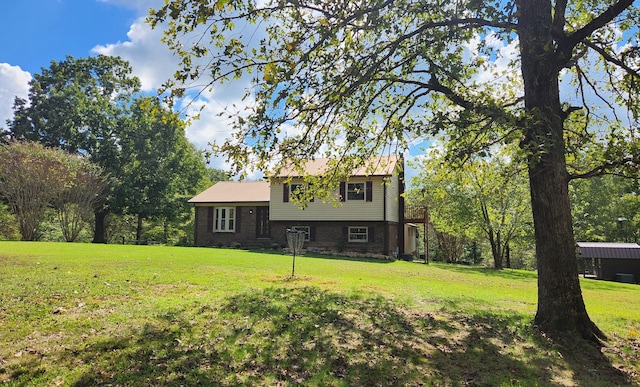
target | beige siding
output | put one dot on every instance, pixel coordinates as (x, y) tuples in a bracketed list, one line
[(339, 211), (393, 192)]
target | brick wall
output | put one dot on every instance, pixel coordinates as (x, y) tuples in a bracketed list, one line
[(246, 235), (330, 236), (327, 235)]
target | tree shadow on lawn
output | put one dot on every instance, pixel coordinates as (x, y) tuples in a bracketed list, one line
[(290, 336), (315, 255), (503, 273)]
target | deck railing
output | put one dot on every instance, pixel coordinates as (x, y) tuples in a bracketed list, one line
[(415, 214)]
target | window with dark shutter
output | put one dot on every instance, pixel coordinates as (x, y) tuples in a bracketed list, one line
[(224, 219), (343, 191), (371, 234), (312, 234), (285, 192), (355, 191), (306, 230), (369, 191), (358, 234)]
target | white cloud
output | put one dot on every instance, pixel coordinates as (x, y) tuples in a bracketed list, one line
[(154, 64), (213, 124), (151, 60), (13, 82)]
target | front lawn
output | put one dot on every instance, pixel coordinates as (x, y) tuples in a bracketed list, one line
[(82, 314)]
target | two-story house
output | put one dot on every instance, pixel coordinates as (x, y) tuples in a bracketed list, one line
[(367, 218)]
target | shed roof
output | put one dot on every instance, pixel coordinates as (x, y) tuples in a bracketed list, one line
[(608, 250), (234, 192)]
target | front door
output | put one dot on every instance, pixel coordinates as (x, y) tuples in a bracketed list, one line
[(262, 222)]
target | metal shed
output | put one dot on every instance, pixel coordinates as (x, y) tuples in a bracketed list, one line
[(610, 261)]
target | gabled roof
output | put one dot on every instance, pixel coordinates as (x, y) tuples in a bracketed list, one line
[(378, 166), (609, 250), (234, 192)]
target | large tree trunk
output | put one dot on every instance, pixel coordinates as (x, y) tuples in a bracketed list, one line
[(99, 230), (561, 310), (496, 249), (560, 304), (139, 230)]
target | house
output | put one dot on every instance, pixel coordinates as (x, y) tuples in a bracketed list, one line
[(231, 212), (610, 261), (367, 217)]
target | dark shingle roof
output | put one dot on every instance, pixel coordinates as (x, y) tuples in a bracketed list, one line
[(609, 250)]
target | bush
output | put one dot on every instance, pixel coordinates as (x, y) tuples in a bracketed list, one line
[(471, 255), (9, 229)]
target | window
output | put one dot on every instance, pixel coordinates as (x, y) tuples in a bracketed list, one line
[(355, 191), (358, 234), (297, 190), (224, 219), (306, 230)]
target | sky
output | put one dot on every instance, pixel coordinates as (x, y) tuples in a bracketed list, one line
[(36, 32)]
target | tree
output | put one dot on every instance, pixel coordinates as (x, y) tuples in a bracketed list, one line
[(160, 169), (8, 224), (31, 176), (354, 78), (605, 209), (77, 105), (483, 198), (215, 175), (81, 195)]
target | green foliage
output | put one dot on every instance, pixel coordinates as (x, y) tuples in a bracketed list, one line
[(121, 229), (472, 254), (358, 78), (75, 105), (215, 175), (169, 233), (83, 193), (9, 229), (34, 178), (485, 198), (78, 105), (89, 105), (606, 209), (160, 169)]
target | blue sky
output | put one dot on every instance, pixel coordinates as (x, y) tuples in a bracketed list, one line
[(38, 31)]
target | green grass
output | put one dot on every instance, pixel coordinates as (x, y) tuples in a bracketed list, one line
[(84, 315)]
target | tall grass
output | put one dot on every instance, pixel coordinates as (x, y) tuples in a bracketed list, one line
[(80, 314)]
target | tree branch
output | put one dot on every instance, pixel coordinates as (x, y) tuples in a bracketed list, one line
[(604, 169), (567, 43), (557, 26), (611, 59)]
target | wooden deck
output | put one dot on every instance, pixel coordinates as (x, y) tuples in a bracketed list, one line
[(416, 215)]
